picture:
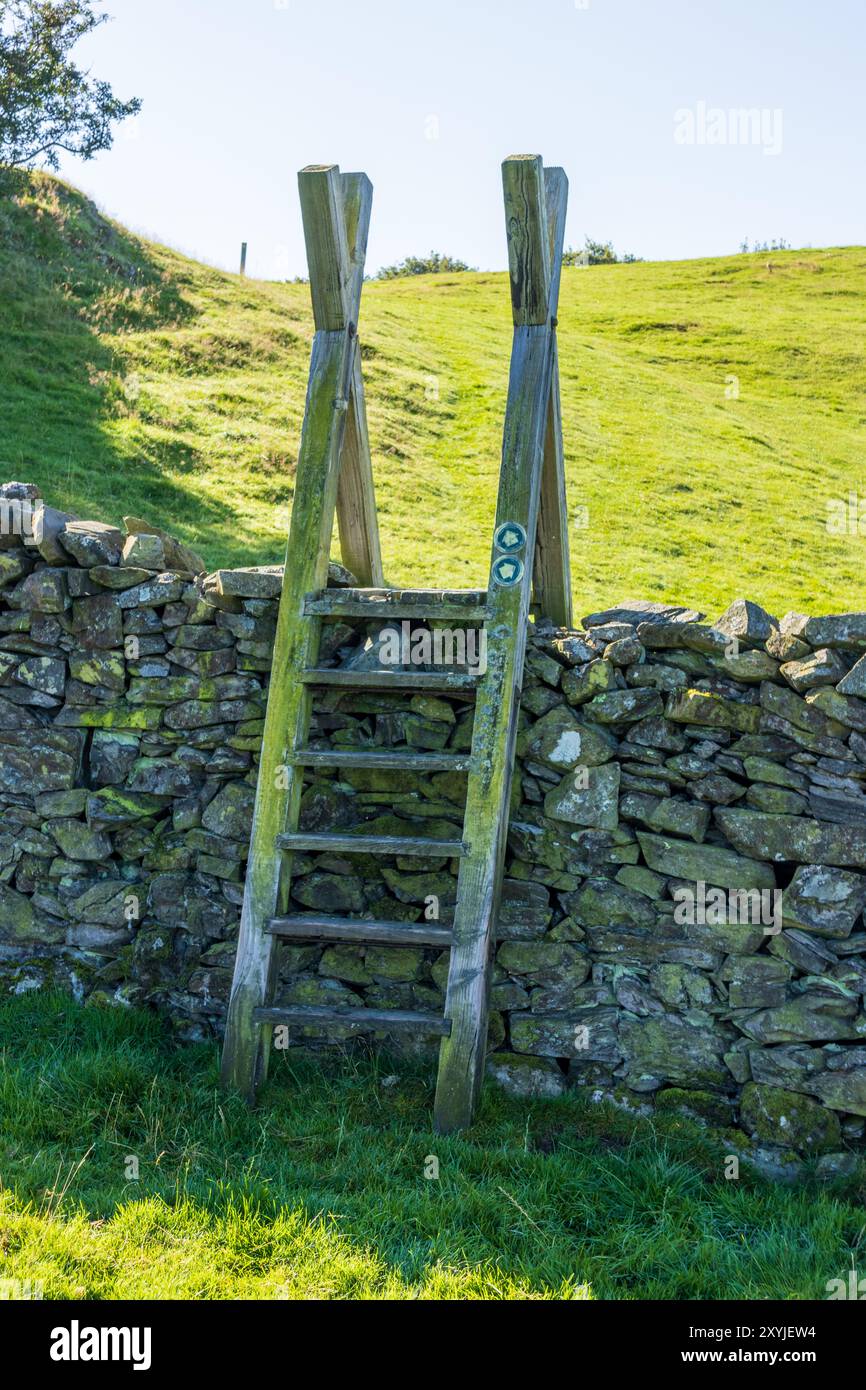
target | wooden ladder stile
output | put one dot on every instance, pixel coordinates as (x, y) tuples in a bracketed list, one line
[(529, 561)]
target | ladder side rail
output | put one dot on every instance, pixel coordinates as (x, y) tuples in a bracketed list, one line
[(278, 791), (534, 281)]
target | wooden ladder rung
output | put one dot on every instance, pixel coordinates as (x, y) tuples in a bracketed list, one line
[(383, 679), (382, 758), (310, 927), (361, 1020), (372, 844), (464, 604)]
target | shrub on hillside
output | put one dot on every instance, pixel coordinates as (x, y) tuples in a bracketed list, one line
[(434, 264), (780, 244), (597, 253)]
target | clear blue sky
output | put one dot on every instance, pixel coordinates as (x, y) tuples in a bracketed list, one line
[(239, 94)]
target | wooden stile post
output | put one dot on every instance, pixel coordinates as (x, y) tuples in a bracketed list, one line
[(535, 202), (336, 212)]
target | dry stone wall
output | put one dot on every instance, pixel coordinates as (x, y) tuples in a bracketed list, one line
[(682, 917)]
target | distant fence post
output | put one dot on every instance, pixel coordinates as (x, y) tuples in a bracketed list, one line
[(243, 258)]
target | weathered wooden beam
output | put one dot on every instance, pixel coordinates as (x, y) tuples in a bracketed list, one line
[(321, 192), (552, 564), (358, 1020), (357, 193), (462, 1056), (535, 219), (296, 643), (410, 845), (398, 760), (552, 570), (528, 237), (317, 927), (387, 604), (245, 1052), (556, 205), (357, 520), (384, 679)]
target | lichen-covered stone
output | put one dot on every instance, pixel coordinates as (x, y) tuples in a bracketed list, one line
[(587, 682), (585, 1035), (675, 1050), (837, 630), (824, 900), (747, 621), (111, 808), (795, 838), (526, 1077), (776, 1116), (712, 711), (624, 706), (561, 741), (92, 543), (17, 919), (331, 893), (824, 667), (76, 840), (544, 962), (587, 797), (43, 591), (752, 667), (801, 1020), (841, 1089), (524, 911), (708, 863), (604, 902), (853, 682), (671, 814)]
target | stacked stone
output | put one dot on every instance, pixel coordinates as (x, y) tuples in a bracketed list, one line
[(131, 700), (730, 756), (656, 753)]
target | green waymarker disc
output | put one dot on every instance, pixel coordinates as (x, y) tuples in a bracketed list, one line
[(510, 536), (507, 570)]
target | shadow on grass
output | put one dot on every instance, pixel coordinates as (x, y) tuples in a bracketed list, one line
[(69, 280), (336, 1186)]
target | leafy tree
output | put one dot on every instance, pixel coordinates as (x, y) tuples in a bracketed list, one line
[(434, 264), (47, 104)]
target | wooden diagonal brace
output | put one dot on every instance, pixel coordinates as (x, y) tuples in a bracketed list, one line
[(336, 213), (552, 564)]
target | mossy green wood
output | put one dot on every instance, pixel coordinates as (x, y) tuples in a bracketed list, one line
[(335, 287), (552, 562), (357, 521), (552, 569), (535, 244)]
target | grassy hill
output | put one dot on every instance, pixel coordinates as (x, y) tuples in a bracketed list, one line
[(135, 380)]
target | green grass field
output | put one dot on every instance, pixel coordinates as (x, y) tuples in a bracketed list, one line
[(322, 1194), (135, 380)]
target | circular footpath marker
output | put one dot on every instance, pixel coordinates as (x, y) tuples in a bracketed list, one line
[(510, 536), (507, 570)]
